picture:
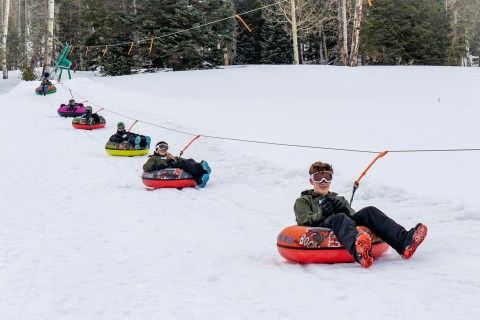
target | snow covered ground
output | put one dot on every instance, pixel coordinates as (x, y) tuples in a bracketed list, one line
[(81, 238)]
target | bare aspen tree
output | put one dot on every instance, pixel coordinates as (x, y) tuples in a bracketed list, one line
[(294, 32), (49, 44), (301, 18), (343, 35), (3, 47), (357, 21)]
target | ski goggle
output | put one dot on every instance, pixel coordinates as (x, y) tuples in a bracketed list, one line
[(161, 146), (322, 176), (121, 128)]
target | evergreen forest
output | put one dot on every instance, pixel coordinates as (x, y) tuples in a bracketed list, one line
[(120, 37)]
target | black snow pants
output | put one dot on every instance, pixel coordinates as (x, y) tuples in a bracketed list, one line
[(192, 167), (344, 228)]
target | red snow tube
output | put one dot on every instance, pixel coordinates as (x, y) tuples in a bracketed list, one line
[(168, 178), (81, 123), (319, 245), (88, 126)]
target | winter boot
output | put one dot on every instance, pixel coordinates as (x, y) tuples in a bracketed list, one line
[(206, 167), (363, 250), (148, 139), (204, 180), (90, 121), (413, 239), (137, 142)]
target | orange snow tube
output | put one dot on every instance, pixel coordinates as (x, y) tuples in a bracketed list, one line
[(319, 245)]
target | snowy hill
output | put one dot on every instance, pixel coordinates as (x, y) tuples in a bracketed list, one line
[(81, 238)]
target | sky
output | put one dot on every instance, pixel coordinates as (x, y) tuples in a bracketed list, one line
[(82, 238)]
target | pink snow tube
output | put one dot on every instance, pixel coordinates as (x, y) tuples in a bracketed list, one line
[(62, 111)]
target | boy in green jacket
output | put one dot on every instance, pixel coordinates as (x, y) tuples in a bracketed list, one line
[(322, 208), (162, 159)]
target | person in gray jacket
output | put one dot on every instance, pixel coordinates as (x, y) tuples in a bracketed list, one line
[(320, 207)]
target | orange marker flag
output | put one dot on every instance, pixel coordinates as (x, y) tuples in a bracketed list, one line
[(246, 26), (130, 50), (151, 46)]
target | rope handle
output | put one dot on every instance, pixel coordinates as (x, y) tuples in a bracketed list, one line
[(357, 182), (181, 152)]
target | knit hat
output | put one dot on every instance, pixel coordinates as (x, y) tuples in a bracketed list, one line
[(120, 124)]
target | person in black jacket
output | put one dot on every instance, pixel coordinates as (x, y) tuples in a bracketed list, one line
[(322, 208), (134, 139), (72, 105), (92, 118)]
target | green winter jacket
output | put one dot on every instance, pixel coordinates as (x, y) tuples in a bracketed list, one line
[(157, 162), (308, 211)]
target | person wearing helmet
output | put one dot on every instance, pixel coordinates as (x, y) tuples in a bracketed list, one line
[(162, 159), (136, 140), (92, 118)]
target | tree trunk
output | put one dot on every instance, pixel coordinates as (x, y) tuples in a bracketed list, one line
[(294, 33), (357, 21), (49, 44), (320, 36), (3, 46), (343, 36)]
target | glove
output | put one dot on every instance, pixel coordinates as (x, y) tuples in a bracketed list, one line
[(172, 163), (338, 205), (160, 166), (327, 208)]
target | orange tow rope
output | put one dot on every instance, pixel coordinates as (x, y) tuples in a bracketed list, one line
[(132, 125), (357, 183), (181, 152)]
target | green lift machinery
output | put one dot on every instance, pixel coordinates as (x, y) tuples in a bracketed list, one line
[(63, 63)]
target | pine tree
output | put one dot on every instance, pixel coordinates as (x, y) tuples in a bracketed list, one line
[(276, 45), (116, 61), (406, 32), (181, 40), (248, 43), (70, 28), (219, 40), (428, 42), (149, 24)]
